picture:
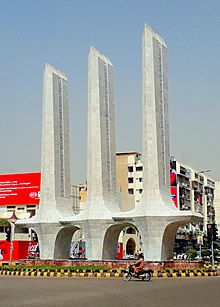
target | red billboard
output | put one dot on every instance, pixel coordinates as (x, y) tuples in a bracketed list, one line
[(20, 189), (173, 191), (119, 250), (173, 183), (20, 250)]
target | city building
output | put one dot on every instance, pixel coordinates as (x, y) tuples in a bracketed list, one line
[(129, 165), (217, 205), (190, 190)]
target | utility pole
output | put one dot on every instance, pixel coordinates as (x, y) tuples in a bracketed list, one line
[(213, 260), (12, 224), (210, 235)]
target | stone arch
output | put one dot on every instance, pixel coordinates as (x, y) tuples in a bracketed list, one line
[(169, 239), (111, 240), (63, 242)]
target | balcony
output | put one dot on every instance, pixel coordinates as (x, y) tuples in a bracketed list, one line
[(198, 208)]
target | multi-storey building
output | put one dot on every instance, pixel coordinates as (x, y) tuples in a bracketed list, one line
[(190, 190), (129, 172), (217, 205)]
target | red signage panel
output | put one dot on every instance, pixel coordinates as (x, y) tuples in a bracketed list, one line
[(20, 250), (20, 189), (120, 250), (173, 191)]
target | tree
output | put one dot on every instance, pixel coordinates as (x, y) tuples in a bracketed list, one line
[(191, 254), (4, 222), (206, 254)]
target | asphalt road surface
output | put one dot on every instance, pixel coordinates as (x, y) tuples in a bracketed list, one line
[(109, 292)]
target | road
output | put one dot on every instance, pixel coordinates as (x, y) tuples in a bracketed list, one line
[(109, 292)]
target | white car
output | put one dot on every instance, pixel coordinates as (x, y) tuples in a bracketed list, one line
[(129, 256), (181, 256)]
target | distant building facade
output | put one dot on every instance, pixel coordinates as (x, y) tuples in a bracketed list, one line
[(217, 205), (190, 189)]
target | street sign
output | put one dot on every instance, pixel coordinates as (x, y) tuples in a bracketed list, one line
[(200, 239)]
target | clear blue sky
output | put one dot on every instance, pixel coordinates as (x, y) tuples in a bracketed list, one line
[(61, 32)]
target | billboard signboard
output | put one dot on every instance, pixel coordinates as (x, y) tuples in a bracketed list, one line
[(21, 250), (173, 183), (77, 250), (174, 195), (20, 189)]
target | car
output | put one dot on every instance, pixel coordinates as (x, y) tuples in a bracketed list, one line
[(129, 256), (182, 256)]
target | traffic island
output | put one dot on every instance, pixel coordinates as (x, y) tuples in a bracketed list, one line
[(99, 273)]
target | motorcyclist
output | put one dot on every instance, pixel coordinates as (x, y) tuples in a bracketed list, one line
[(139, 264)]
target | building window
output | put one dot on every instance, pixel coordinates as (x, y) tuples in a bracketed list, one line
[(140, 191), (130, 180), (131, 231), (130, 169), (130, 191), (139, 168), (140, 179), (24, 230)]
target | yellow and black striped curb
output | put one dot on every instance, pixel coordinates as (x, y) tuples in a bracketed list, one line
[(36, 273), (8, 263)]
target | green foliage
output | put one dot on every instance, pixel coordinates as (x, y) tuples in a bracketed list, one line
[(4, 222), (191, 254), (55, 268), (206, 254)]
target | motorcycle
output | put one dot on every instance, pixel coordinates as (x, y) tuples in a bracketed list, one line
[(145, 274)]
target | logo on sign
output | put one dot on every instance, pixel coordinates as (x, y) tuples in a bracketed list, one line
[(33, 194)]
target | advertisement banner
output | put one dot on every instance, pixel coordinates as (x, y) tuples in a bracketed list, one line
[(20, 250), (120, 250), (173, 191), (77, 250), (173, 183), (20, 189), (33, 250)]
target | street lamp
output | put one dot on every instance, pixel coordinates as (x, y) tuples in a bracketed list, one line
[(212, 246)]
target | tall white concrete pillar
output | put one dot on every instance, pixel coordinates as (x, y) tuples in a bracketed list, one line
[(55, 201), (155, 121), (155, 215), (55, 154), (101, 160)]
